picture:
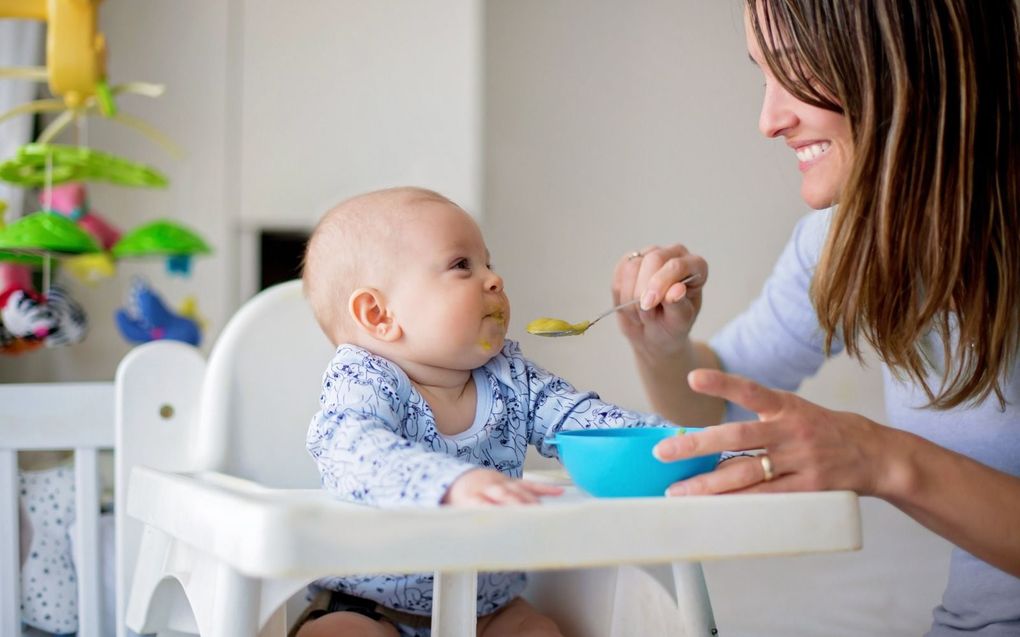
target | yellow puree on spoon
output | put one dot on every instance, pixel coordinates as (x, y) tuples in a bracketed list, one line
[(544, 325)]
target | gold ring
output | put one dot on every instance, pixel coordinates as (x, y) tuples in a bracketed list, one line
[(634, 255), (766, 466)]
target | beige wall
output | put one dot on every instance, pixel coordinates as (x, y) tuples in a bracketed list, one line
[(611, 126)]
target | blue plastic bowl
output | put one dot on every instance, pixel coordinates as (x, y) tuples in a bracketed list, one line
[(618, 463)]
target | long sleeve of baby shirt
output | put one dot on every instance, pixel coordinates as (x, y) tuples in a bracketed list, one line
[(366, 436), (547, 403)]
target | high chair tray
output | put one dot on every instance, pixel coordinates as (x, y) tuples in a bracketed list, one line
[(283, 533)]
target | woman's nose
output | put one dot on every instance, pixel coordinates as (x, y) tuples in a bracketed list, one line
[(776, 112)]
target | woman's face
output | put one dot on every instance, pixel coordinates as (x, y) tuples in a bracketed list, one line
[(819, 138)]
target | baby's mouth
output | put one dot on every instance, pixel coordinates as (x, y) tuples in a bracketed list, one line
[(497, 315)]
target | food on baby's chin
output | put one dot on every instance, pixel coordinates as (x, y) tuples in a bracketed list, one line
[(499, 316)]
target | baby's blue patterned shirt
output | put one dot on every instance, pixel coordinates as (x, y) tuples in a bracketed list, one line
[(375, 442)]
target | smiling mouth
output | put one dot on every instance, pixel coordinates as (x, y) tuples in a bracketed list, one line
[(812, 151)]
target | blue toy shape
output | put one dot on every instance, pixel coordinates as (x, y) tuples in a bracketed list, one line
[(147, 318)]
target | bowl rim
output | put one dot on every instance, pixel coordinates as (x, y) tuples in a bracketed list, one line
[(608, 433)]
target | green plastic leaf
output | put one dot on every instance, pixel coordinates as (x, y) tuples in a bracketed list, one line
[(45, 231), (31, 260), (160, 238), (36, 165)]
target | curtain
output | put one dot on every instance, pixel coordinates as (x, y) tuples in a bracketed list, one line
[(21, 44)]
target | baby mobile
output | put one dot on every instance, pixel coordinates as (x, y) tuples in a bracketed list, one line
[(66, 232)]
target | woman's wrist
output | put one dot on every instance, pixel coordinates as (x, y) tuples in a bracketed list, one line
[(898, 472), (664, 376), (681, 354)]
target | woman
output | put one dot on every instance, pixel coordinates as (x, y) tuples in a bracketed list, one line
[(903, 116)]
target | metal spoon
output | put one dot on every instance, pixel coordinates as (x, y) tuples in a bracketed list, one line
[(558, 327)]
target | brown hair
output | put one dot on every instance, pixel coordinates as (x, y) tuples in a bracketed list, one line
[(926, 235)]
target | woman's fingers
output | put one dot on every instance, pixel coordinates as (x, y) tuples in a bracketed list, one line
[(746, 393), (733, 436), (625, 277), (737, 475), (732, 475), (654, 271), (662, 274), (806, 447)]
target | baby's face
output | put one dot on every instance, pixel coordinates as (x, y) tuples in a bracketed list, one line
[(448, 301)]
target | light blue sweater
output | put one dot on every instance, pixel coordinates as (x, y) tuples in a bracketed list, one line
[(777, 342)]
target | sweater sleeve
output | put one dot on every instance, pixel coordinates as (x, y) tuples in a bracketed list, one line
[(357, 442), (549, 404), (777, 341)]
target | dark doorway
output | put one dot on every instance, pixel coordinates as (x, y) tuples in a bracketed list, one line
[(280, 254)]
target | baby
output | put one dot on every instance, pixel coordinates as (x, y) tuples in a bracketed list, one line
[(425, 402)]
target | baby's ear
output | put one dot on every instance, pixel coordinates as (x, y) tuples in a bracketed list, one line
[(368, 310)]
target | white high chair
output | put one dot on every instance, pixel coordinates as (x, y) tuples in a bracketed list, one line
[(224, 513)]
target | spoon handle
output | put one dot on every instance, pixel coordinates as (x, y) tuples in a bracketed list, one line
[(611, 310), (685, 280)]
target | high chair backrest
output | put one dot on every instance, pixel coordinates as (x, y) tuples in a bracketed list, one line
[(243, 412), (261, 389)]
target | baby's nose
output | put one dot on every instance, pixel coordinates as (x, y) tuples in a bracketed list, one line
[(495, 282)]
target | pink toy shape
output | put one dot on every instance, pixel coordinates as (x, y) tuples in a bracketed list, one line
[(71, 200)]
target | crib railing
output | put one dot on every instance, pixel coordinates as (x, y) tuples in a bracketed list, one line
[(51, 417)]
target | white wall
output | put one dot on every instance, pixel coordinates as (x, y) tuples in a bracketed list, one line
[(344, 96)]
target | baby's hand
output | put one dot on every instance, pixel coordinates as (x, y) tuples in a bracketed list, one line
[(485, 486)]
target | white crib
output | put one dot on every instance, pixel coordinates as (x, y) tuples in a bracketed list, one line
[(55, 417), (193, 448)]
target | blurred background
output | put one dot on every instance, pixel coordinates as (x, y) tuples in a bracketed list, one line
[(576, 131)]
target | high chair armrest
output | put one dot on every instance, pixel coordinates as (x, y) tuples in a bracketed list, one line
[(279, 533)]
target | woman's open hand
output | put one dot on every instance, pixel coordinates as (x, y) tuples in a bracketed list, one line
[(806, 447), (668, 307)]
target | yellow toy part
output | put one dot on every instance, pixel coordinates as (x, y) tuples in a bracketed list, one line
[(75, 69), (91, 268), (75, 50), (189, 309)]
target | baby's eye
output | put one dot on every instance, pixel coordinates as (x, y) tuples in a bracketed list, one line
[(461, 264)]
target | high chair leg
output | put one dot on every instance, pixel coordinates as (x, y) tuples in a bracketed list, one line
[(277, 624), (692, 599), (236, 613), (454, 604)]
